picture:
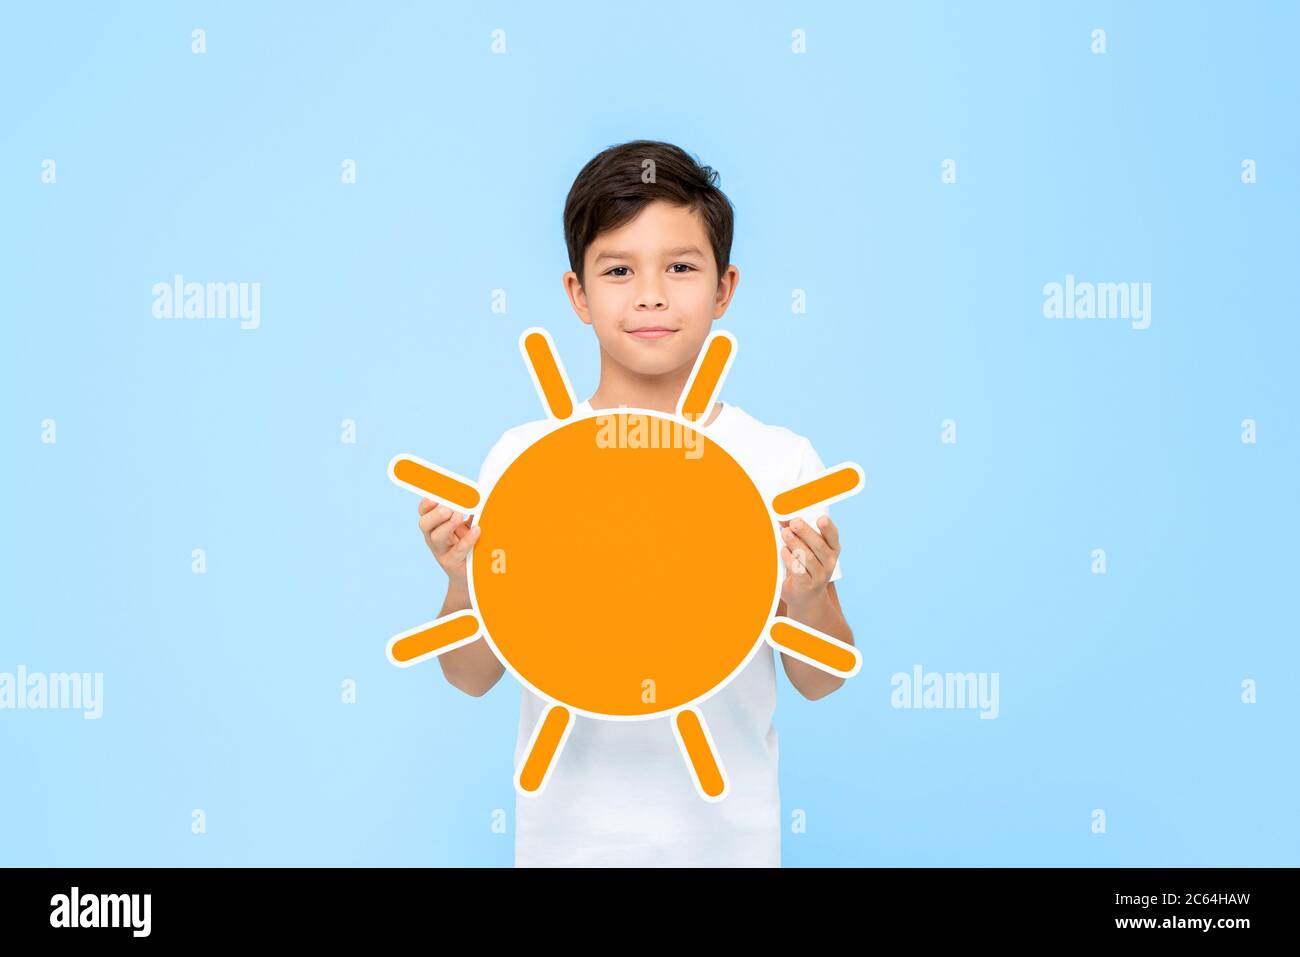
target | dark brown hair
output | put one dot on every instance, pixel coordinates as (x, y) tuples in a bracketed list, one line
[(610, 191)]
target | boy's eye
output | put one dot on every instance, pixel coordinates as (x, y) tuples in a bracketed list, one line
[(614, 270)]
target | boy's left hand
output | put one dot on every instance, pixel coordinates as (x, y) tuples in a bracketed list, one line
[(809, 555)]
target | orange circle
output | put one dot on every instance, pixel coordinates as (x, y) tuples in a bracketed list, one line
[(626, 565)]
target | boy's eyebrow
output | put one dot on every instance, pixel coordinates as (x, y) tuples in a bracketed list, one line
[(624, 254)]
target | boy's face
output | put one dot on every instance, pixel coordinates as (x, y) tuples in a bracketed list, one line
[(652, 290)]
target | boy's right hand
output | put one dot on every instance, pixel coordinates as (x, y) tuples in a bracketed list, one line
[(449, 536)]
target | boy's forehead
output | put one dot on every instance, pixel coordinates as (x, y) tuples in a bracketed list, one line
[(658, 228)]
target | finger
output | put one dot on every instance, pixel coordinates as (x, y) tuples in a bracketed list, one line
[(797, 540), (811, 538), (427, 505), (444, 536), (433, 518), (793, 564), (829, 532), (814, 539), (465, 527), (454, 525), (460, 551)]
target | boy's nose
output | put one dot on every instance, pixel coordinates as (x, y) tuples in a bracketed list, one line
[(651, 299)]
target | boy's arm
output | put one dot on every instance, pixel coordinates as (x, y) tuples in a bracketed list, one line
[(472, 668), (825, 616), (809, 597)]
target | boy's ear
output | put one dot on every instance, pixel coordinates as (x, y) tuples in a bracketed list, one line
[(727, 283), (577, 296)]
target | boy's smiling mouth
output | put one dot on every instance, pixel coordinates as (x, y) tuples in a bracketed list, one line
[(651, 332)]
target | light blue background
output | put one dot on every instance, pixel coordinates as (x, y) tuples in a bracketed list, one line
[(222, 691)]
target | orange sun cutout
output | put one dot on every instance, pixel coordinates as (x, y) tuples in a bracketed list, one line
[(584, 587)]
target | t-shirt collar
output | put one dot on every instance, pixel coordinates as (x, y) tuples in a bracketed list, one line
[(584, 407)]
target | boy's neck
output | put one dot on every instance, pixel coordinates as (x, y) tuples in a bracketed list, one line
[(619, 386)]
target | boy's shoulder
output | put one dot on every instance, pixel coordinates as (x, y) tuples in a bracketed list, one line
[(740, 422), (513, 441), (773, 454), (525, 433)]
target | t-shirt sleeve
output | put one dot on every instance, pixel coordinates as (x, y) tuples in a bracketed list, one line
[(810, 466), (498, 458)]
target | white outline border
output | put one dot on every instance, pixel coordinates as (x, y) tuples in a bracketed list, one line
[(446, 473), (717, 386), (537, 383), (763, 639), (441, 649), (550, 705), (829, 639), (851, 466), (713, 748)]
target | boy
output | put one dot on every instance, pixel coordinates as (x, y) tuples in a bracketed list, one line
[(650, 274)]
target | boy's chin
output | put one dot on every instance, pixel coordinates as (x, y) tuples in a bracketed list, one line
[(649, 361)]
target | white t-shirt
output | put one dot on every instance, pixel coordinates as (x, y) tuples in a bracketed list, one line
[(620, 793)]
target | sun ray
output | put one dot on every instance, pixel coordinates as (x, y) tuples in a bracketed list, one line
[(835, 483), (815, 647), (548, 739), (706, 378), (701, 757), (433, 481), (548, 374), (433, 638)]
